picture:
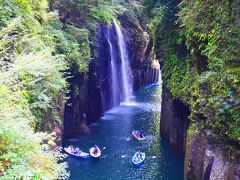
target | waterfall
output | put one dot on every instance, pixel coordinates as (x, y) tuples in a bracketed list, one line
[(159, 77), (112, 67), (114, 72), (125, 72)]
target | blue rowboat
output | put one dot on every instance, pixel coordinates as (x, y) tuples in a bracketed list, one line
[(80, 154), (136, 135), (138, 159)]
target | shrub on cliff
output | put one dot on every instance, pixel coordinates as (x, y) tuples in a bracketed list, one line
[(214, 28), (35, 52), (198, 42), (22, 156)]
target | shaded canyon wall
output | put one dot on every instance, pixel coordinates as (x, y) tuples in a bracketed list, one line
[(204, 160), (174, 121)]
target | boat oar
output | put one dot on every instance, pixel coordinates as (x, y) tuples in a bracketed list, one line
[(103, 148), (126, 156)]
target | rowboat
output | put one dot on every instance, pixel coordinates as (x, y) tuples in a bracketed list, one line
[(137, 136), (79, 154), (138, 159), (95, 152)]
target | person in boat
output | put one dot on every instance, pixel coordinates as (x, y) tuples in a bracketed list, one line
[(77, 151), (139, 133), (95, 151), (70, 149), (139, 152), (138, 155)]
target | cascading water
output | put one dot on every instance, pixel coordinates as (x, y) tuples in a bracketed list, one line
[(126, 76), (113, 67), (114, 72), (160, 77)]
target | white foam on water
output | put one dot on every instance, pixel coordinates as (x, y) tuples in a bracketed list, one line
[(129, 103)]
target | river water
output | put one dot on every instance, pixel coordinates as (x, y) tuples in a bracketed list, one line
[(113, 131)]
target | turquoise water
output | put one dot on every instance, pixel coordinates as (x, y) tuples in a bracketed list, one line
[(113, 131)]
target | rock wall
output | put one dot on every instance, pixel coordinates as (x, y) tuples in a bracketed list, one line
[(203, 160), (174, 121), (76, 106)]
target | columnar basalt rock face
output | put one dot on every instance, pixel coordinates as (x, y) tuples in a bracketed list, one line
[(76, 105), (203, 160), (103, 66), (84, 105), (174, 121), (94, 108), (89, 92)]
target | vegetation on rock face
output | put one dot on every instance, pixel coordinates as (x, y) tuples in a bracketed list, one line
[(197, 43), (31, 78), (36, 52), (200, 51), (217, 35)]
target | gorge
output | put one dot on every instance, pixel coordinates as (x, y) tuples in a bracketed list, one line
[(113, 83), (86, 72)]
